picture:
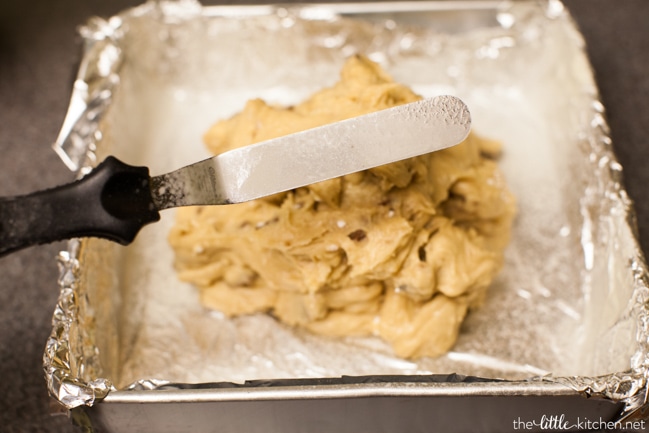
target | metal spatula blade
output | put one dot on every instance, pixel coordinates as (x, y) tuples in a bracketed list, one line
[(317, 154)]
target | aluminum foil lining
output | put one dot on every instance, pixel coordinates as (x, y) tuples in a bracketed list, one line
[(571, 305)]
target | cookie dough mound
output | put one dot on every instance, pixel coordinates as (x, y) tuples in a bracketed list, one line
[(400, 251)]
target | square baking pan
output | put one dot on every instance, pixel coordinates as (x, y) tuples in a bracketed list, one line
[(561, 341)]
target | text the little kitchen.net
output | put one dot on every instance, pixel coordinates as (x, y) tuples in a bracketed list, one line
[(561, 422)]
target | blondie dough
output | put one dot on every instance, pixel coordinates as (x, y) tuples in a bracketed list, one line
[(400, 251)]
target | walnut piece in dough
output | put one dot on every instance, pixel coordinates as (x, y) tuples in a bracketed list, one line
[(400, 251)]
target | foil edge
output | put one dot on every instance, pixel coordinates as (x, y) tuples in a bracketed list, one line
[(630, 387), (62, 370), (96, 80)]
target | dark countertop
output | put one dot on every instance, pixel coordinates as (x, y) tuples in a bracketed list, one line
[(39, 51)]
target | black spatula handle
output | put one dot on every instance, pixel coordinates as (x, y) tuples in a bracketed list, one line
[(113, 201)]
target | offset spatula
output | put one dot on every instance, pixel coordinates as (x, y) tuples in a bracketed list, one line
[(115, 200)]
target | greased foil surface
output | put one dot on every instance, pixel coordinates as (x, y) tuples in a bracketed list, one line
[(571, 305)]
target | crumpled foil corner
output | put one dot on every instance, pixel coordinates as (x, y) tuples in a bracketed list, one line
[(67, 362)]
